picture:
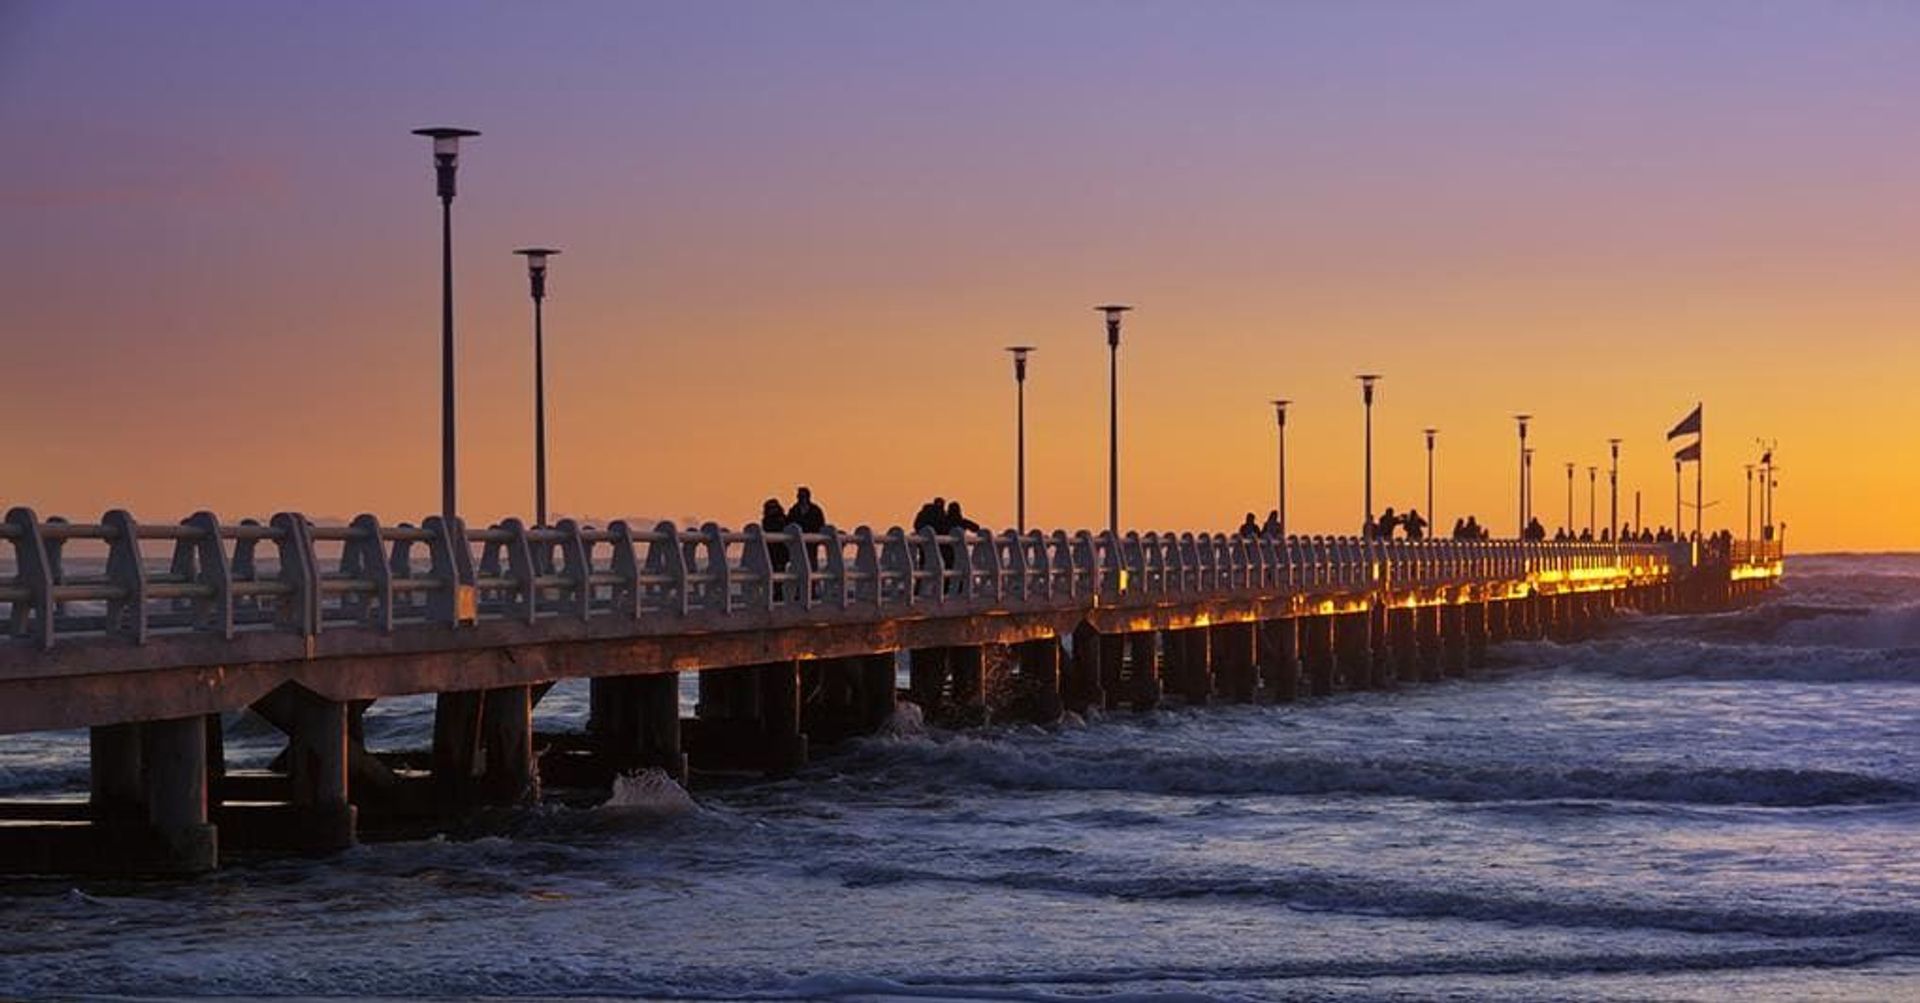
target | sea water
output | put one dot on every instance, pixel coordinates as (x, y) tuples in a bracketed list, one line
[(1689, 808)]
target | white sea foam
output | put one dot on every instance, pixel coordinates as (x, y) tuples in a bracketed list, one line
[(648, 792)]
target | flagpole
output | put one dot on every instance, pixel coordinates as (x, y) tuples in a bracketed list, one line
[(1679, 517), (1699, 473)]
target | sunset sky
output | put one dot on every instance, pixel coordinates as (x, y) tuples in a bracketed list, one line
[(797, 235)]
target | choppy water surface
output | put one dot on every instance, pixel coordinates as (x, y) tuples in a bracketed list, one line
[(1689, 809)]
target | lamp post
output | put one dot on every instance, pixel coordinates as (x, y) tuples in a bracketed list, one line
[(1569, 522), (446, 159), (1748, 537), (1526, 466), (1280, 419), (1113, 312), (1432, 519), (1522, 419), (537, 284), (1593, 484), (1367, 380), (1020, 353), (1613, 489)]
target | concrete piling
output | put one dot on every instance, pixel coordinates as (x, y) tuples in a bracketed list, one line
[(1232, 647), (1453, 639), (1039, 662), (1316, 648), (1353, 650), (1405, 644), (1478, 616), (1278, 651), (967, 703), (507, 724), (1195, 681), (1082, 687), (174, 757), (1428, 638), (1144, 688)]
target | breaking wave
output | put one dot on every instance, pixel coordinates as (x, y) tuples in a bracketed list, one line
[(1035, 766)]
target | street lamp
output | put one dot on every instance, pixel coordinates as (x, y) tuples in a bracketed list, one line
[(537, 283), (1280, 418), (1113, 312), (1569, 522), (1749, 531), (1593, 484), (1367, 380), (1523, 419), (446, 159), (1432, 520), (1613, 488), (1020, 353), (1526, 469)]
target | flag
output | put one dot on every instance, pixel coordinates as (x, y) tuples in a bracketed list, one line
[(1690, 425), (1688, 453)]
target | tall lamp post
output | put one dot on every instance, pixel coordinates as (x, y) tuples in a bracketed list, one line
[(537, 284), (1280, 419), (1749, 531), (1613, 489), (446, 160), (1569, 522), (1522, 419), (1113, 312), (1432, 519), (1020, 353), (1593, 486), (1526, 466), (1367, 380)]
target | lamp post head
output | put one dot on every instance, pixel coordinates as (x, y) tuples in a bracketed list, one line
[(1523, 419), (1020, 353), (537, 267), (1113, 312), (1280, 410), (1430, 433), (446, 154), (1367, 380)]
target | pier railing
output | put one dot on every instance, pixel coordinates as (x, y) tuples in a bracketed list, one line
[(288, 574)]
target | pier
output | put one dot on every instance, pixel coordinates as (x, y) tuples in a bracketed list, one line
[(146, 633)]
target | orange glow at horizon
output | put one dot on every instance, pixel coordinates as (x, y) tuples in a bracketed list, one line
[(779, 272)]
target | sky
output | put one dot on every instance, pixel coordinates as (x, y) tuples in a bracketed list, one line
[(797, 236)]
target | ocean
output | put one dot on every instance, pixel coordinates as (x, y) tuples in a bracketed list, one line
[(1689, 808)]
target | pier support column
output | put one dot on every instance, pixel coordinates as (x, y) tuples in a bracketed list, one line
[(967, 698), (1082, 687), (1144, 688), (456, 744), (1497, 625), (1477, 614), (1380, 642), (116, 794), (1316, 647), (1278, 651), (1405, 644), (1113, 668), (1232, 647), (508, 725), (879, 688), (1040, 679), (786, 743), (1427, 628), (317, 766), (174, 756), (1196, 666), (1353, 649), (1453, 639), (638, 723), (927, 679)]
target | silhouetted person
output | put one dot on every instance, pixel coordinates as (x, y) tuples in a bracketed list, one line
[(1250, 528), (806, 515), (1272, 526), (1416, 525), (954, 523), (1459, 529), (1535, 531), (1388, 522), (773, 520)]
